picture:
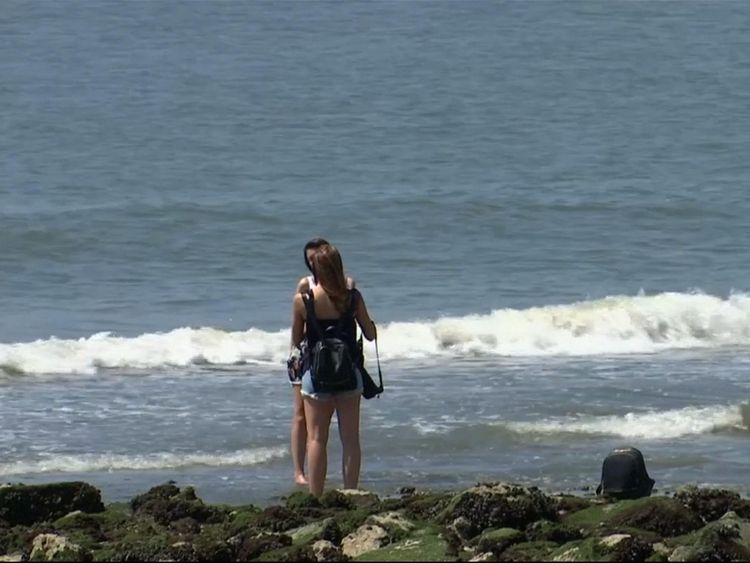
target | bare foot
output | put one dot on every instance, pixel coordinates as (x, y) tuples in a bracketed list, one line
[(300, 479)]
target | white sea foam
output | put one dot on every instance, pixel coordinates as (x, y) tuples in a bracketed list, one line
[(647, 425), (113, 462), (613, 325)]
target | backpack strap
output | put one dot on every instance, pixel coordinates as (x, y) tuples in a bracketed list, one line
[(312, 320)]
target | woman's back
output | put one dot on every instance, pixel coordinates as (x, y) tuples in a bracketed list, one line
[(328, 315), (325, 308)]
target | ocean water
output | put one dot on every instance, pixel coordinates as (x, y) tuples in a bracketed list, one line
[(544, 204)]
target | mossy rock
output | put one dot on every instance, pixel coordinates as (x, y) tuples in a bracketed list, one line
[(154, 548), (727, 539), (712, 504), (300, 499), (360, 498), (529, 551), (350, 520), (212, 545), (500, 505), (80, 525), (567, 504), (19, 538), (167, 503), (664, 516), (82, 529), (28, 504), (394, 523), (423, 544), (278, 519), (616, 547), (498, 540), (254, 546), (327, 529), (544, 530), (420, 506), (307, 533), (243, 518), (336, 499), (302, 553), (718, 541)]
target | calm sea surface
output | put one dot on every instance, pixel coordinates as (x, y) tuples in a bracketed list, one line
[(545, 204)]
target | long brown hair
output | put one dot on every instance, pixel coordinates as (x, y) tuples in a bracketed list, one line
[(329, 271)]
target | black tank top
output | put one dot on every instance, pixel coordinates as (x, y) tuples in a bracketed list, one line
[(346, 322)]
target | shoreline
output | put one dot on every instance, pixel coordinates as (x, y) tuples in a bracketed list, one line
[(67, 521)]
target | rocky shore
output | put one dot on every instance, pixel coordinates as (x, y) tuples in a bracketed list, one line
[(488, 522)]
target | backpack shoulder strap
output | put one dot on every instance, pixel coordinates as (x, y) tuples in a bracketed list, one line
[(312, 320)]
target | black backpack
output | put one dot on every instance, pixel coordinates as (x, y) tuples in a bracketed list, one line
[(624, 475), (332, 365)]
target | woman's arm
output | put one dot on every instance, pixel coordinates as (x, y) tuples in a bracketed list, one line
[(298, 320), (364, 320)]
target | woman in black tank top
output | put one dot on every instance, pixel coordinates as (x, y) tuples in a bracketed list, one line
[(332, 299)]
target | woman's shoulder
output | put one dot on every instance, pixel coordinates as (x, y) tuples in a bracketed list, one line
[(303, 285)]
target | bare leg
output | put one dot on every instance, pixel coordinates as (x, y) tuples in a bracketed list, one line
[(347, 411), (299, 437), (318, 415)]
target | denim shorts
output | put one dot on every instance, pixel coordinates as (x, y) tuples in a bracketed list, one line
[(309, 391)]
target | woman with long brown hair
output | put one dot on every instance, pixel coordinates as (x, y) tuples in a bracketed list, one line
[(298, 426), (332, 304)]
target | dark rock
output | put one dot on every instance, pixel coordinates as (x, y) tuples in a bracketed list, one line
[(166, 491), (566, 504), (254, 546), (28, 504), (166, 503), (19, 538), (454, 542), (153, 548), (420, 506), (302, 553), (336, 499), (279, 519), (211, 545), (332, 532), (718, 541), (712, 504), (497, 541), (325, 551), (544, 530), (664, 516), (528, 551), (82, 523), (629, 548), (499, 505), (298, 500), (185, 526), (350, 520)]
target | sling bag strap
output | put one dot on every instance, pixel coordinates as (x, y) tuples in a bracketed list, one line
[(377, 357)]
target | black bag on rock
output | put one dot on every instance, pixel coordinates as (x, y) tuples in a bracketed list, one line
[(624, 475)]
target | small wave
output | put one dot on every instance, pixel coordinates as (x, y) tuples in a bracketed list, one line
[(113, 462), (649, 425), (613, 325)]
